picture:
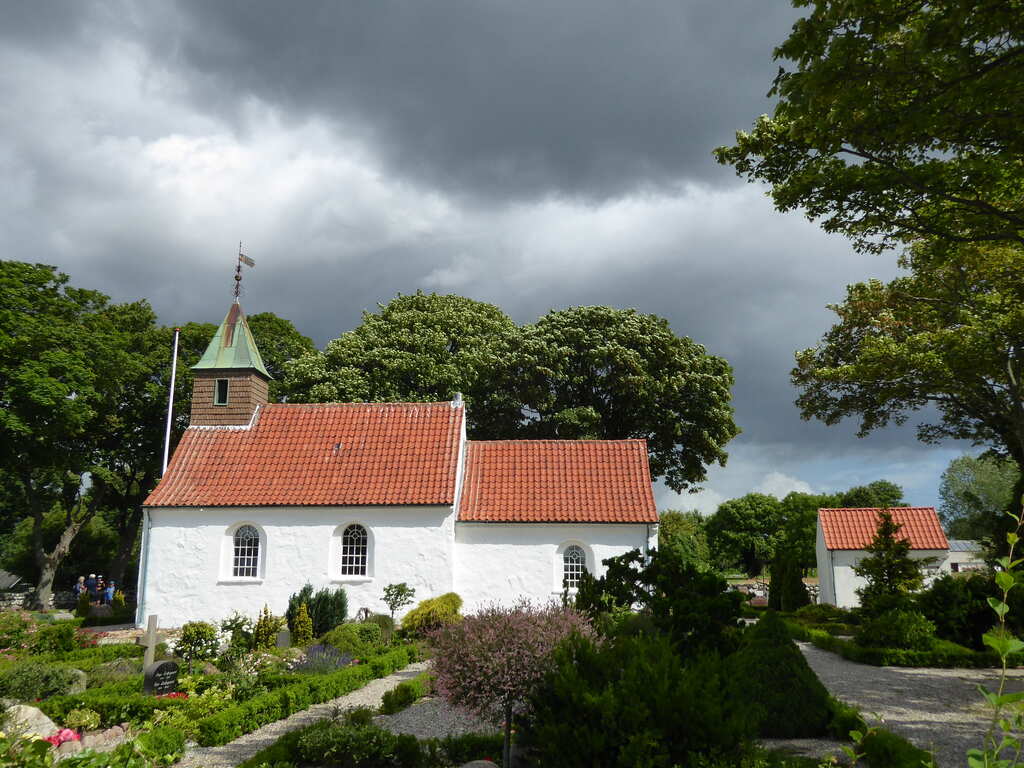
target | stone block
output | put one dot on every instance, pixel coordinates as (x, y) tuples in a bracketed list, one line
[(29, 721)]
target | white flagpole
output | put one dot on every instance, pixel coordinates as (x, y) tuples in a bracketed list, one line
[(170, 402)]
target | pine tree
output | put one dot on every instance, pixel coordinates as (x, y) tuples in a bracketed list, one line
[(890, 572), (303, 627)]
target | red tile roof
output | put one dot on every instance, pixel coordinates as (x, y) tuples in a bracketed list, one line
[(855, 528), (362, 453), (558, 481)]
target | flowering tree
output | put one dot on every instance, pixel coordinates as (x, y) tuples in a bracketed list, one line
[(491, 661)]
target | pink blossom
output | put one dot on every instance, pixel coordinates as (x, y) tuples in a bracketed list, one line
[(64, 734)]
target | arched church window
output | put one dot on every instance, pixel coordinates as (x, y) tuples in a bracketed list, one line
[(353, 551), (574, 563), (247, 552)]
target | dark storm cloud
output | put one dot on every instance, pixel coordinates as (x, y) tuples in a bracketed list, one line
[(496, 99)]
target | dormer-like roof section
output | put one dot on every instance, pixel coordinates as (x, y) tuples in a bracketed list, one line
[(334, 454), (557, 481), (854, 528), (232, 346)]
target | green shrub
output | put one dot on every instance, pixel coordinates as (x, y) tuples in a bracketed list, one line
[(884, 749), (959, 608), (33, 680), (844, 719), (232, 722), (785, 696), (58, 637), (432, 613), (897, 629), (14, 629), (197, 642), (113, 705), (630, 701), (386, 624), (162, 743), (82, 719), (357, 640), (943, 654), (357, 747), (359, 716), (822, 613), (302, 635), (118, 604), (264, 634), (83, 606), (327, 608), (405, 693)]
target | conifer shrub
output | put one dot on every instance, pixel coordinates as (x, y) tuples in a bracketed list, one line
[(264, 633), (782, 692), (327, 608), (432, 614), (908, 630), (959, 608), (302, 633), (632, 701)]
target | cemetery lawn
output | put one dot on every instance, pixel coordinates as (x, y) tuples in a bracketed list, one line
[(94, 693)]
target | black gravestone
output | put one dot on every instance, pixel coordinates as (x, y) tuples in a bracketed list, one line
[(161, 677)]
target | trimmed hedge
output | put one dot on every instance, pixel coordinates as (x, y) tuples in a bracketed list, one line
[(404, 694), (114, 703), (944, 654), (885, 749), (228, 724)]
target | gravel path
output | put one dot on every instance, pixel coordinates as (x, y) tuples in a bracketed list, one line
[(937, 709), (432, 717), (243, 748)]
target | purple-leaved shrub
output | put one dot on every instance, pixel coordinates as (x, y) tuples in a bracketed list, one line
[(490, 661)]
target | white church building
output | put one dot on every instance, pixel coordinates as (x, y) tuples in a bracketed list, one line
[(261, 498)]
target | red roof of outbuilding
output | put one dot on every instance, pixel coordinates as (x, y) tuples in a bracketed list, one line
[(336, 454), (558, 481), (855, 528)]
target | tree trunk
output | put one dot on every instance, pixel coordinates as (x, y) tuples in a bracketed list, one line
[(506, 760), (127, 535), (49, 562)]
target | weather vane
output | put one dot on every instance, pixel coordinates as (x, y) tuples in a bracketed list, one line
[(242, 259)]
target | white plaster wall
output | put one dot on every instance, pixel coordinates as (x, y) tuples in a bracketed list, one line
[(188, 573), (967, 561), (826, 579), (847, 582), (498, 562)]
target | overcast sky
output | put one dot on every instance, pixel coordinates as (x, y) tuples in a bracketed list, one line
[(534, 155)]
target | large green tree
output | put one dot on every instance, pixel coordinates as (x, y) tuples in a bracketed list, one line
[(896, 120), (947, 337), (599, 372), (745, 531), (974, 490), (278, 341), (580, 373), (64, 362), (421, 347), (683, 535)]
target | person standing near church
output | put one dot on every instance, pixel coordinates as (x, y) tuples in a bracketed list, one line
[(108, 593), (90, 585)]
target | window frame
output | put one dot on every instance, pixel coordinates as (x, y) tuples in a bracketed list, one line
[(339, 551), (228, 571), (216, 391), (561, 552)]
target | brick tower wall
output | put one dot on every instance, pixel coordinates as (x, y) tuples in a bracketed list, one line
[(245, 392)]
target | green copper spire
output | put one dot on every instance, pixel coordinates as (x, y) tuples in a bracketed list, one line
[(233, 346)]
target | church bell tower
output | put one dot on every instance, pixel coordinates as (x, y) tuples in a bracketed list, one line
[(230, 379)]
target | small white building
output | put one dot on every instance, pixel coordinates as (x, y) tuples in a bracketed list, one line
[(844, 534), (260, 499), (965, 556)]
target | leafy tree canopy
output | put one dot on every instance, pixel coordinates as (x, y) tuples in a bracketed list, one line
[(580, 373), (745, 531), (974, 491), (880, 493), (278, 342), (896, 120), (949, 336), (684, 535)]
